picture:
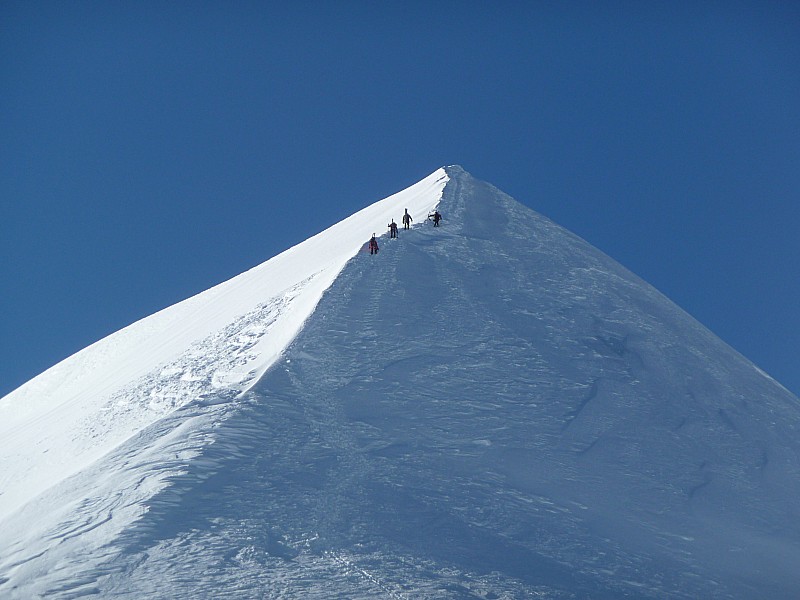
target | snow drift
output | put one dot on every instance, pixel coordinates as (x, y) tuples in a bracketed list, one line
[(489, 409)]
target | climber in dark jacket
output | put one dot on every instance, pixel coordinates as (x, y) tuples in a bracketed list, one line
[(436, 218), (373, 245), (407, 220), (392, 229)]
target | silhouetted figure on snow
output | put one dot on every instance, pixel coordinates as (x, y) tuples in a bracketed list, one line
[(392, 229), (436, 218), (407, 220), (373, 245)]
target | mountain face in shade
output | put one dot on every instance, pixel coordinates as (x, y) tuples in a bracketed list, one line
[(491, 408)]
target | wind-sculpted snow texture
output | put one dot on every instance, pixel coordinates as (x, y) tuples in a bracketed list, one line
[(489, 409)]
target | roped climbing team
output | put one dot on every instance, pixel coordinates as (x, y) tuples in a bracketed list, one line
[(373, 242)]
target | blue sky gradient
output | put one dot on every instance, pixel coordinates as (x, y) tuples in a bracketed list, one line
[(152, 150)]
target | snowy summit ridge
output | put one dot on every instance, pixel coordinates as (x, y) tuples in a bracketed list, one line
[(487, 409), (221, 339)]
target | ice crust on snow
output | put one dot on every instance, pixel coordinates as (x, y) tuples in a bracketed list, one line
[(221, 339), (490, 409)]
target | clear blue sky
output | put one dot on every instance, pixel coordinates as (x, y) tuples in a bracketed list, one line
[(150, 150)]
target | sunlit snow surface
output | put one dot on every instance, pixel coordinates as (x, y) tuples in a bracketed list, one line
[(490, 409)]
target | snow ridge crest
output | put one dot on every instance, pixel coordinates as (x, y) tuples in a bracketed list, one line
[(223, 338)]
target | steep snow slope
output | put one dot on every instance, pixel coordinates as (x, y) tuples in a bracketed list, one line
[(490, 409), (218, 342)]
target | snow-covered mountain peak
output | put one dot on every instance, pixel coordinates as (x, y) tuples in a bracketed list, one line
[(491, 408)]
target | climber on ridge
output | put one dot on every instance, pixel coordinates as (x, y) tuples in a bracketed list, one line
[(407, 220), (436, 218), (392, 229), (373, 245)]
